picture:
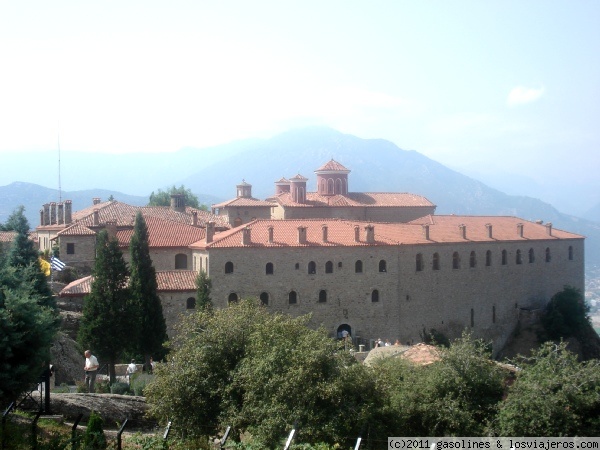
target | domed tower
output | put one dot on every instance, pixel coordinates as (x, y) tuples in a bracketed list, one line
[(298, 188), (332, 179), (244, 190), (281, 186)]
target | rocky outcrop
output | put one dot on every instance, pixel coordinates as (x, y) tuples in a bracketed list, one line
[(67, 360)]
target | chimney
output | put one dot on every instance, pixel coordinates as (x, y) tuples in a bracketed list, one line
[(68, 209), (270, 234), (52, 213), (488, 226), (426, 230), (96, 218), (324, 228), (195, 218), (46, 214), (463, 230), (178, 202), (356, 233), (60, 214), (111, 228), (95, 200), (370, 231), (301, 235), (210, 232), (246, 236), (520, 229), (42, 217), (549, 228)]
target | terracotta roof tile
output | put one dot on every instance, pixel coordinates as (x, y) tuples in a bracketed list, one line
[(243, 202), (77, 229), (332, 166), (7, 236), (164, 233), (357, 199), (77, 288), (298, 177)]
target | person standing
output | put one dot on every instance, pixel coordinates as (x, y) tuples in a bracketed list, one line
[(90, 368), (131, 369)]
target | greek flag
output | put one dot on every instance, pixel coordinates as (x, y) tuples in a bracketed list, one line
[(57, 264)]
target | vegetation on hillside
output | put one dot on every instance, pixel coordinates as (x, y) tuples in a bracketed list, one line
[(163, 198)]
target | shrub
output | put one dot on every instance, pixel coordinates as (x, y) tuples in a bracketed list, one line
[(94, 437), (119, 388)]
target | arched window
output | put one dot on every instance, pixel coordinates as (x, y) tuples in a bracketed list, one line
[(358, 266), (455, 260), (436, 261), (312, 267), (264, 298), (504, 257), (292, 298), (382, 266), (488, 258), (548, 256), (181, 261), (330, 186), (472, 260), (233, 298), (269, 269), (375, 296), (419, 262), (328, 267), (570, 253), (338, 186), (190, 303), (519, 258), (531, 256), (322, 296), (228, 267)]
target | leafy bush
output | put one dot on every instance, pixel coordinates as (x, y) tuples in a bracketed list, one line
[(434, 337), (139, 382), (566, 314), (119, 388), (94, 437)]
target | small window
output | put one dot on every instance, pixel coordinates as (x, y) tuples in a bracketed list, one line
[(228, 267), (70, 249), (419, 262), (375, 296), (181, 261), (312, 267), (382, 266), (264, 298), (436, 261), (328, 267), (504, 257), (548, 256), (455, 260), (531, 256), (340, 265), (269, 269), (190, 303), (322, 296), (297, 266), (292, 298), (570, 253), (358, 266), (488, 258), (233, 298), (519, 257), (472, 260)]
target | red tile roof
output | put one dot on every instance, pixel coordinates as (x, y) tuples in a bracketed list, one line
[(243, 202), (77, 229), (442, 229), (77, 288), (7, 236), (164, 233), (332, 166), (356, 199)]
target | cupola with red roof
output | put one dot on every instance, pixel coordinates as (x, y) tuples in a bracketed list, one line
[(298, 188), (332, 179)]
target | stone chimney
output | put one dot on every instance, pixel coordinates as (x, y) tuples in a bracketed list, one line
[(356, 233), (46, 214), (301, 235), (111, 228), (42, 216), (370, 232), (463, 230), (271, 234), (52, 213), (549, 228), (488, 226), (520, 229), (210, 232), (60, 214), (324, 229), (95, 200), (246, 236), (178, 202), (426, 230), (96, 218), (68, 211), (195, 218)]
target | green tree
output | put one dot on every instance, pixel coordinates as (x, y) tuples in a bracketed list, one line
[(259, 372), (94, 437), (553, 395), (150, 330), (14, 221), (203, 287), (566, 314), (163, 198), (106, 323)]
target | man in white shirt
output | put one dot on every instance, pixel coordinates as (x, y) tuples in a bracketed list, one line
[(131, 369), (90, 368)]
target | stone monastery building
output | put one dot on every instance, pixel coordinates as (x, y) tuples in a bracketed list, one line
[(378, 265)]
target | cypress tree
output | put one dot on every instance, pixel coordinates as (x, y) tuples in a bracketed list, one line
[(105, 327), (203, 285), (148, 314)]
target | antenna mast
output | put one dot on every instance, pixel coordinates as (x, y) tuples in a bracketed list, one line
[(59, 185)]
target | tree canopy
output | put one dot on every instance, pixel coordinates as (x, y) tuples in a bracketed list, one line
[(203, 287), (163, 198)]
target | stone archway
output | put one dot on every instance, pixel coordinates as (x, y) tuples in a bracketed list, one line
[(344, 328)]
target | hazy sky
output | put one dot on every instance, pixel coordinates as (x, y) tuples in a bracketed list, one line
[(507, 85)]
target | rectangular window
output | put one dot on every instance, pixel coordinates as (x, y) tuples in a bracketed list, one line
[(70, 249)]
